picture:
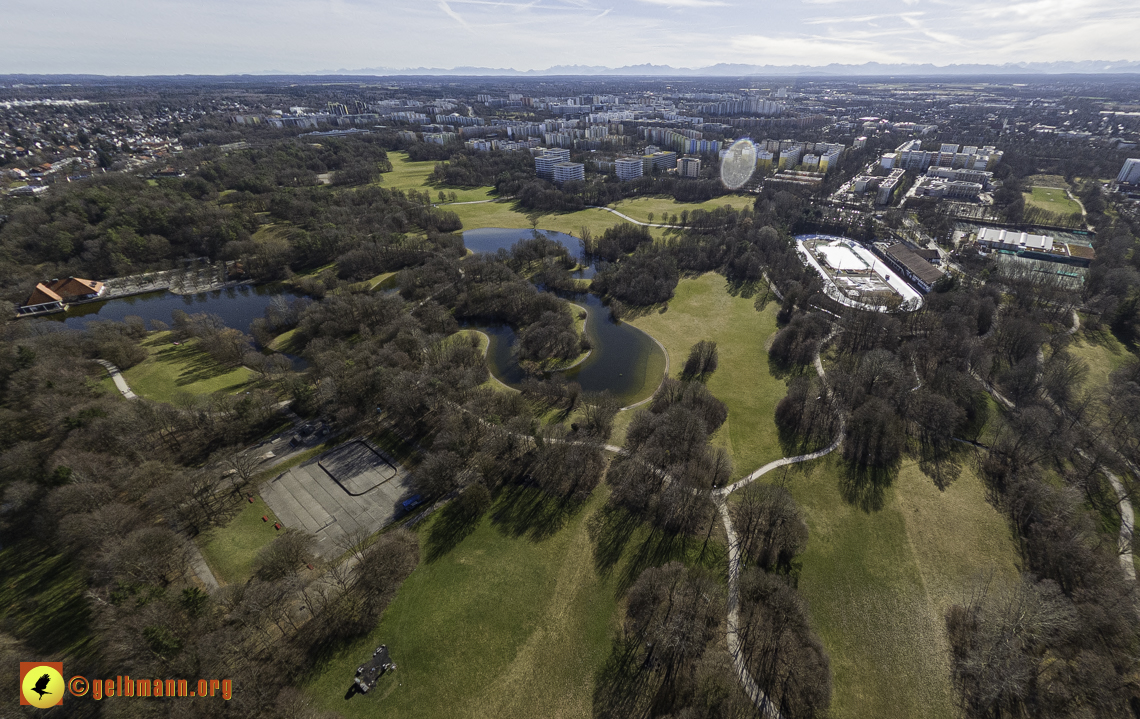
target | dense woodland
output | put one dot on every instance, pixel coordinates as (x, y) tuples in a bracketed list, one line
[(108, 492)]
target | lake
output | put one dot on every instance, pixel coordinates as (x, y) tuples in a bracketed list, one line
[(237, 306), (625, 360)]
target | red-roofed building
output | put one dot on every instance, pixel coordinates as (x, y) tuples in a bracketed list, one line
[(53, 296)]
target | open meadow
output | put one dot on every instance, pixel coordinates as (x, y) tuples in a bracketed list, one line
[(509, 618), (170, 370), (1052, 199), (883, 561), (703, 308), (665, 207)]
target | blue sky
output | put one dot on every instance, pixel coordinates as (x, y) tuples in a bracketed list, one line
[(235, 36)]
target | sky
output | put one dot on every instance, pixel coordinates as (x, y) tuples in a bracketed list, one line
[(135, 37)]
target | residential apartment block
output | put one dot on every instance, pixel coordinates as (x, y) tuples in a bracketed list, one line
[(629, 168)]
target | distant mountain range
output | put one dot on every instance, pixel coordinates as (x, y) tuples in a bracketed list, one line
[(1085, 67)]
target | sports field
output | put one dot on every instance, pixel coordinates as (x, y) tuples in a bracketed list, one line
[(1051, 199)]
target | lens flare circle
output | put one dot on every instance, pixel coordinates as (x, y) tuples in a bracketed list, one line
[(738, 164)]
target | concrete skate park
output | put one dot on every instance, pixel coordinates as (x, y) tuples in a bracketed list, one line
[(355, 486)]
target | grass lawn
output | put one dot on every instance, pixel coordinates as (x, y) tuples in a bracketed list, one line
[(499, 627), (1052, 199), (170, 370), (505, 624), (639, 208), (284, 342), (43, 600), (878, 583), (1103, 354), (702, 308), (230, 550), (408, 175), (504, 214)]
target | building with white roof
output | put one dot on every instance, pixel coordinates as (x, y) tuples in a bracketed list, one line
[(1014, 241)]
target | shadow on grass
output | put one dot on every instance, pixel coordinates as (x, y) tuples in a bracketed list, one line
[(522, 511), (865, 487), (42, 600), (622, 686), (192, 364), (793, 444), (942, 466), (618, 534), (452, 525), (785, 371), (746, 289)]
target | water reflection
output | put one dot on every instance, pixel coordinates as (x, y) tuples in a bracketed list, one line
[(625, 360)]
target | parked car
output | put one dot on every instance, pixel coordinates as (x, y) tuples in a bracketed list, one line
[(412, 503)]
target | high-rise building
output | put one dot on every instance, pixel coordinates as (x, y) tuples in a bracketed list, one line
[(829, 160), (790, 157), (1130, 173), (544, 163), (690, 167), (629, 168), (659, 160), (566, 171)]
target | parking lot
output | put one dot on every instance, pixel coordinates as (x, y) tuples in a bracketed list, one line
[(355, 486)]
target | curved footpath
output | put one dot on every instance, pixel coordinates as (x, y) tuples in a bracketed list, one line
[(720, 498), (117, 378), (627, 218), (1127, 516)]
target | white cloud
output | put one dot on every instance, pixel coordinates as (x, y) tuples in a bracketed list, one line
[(452, 14), (161, 36), (686, 3)]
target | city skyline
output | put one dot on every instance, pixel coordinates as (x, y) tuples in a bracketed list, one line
[(130, 37)]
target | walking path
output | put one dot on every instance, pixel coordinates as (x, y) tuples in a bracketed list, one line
[(1127, 516), (1127, 525), (117, 378), (630, 219), (201, 568), (720, 498)]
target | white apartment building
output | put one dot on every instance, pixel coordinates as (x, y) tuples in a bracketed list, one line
[(629, 168), (690, 167), (566, 171), (544, 163)]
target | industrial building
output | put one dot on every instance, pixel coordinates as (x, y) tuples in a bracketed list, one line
[(1014, 241), (917, 270), (911, 156)]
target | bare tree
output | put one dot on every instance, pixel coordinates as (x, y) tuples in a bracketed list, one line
[(771, 527)]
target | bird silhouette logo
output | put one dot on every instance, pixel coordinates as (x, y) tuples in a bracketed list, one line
[(41, 684)]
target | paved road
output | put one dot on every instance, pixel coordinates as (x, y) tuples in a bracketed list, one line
[(117, 378)]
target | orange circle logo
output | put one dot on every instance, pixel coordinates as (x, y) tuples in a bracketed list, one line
[(41, 684)]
